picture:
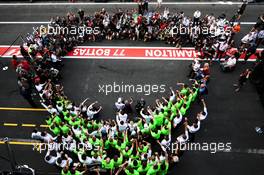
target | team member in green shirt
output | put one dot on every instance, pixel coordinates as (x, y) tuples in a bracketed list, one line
[(118, 160), (143, 168), (55, 129), (64, 128), (153, 170), (156, 134), (131, 171), (108, 164)]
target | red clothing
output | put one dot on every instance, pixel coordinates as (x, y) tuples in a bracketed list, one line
[(14, 63), (163, 26), (139, 19), (231, 52), (25, 65)]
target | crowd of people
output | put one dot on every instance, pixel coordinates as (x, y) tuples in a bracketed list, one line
[(117, 146), (124, 145)]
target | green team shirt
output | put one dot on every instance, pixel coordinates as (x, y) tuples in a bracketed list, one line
[(97, 142), (49, 121), (76, 122), (183, 110), (64, 113), (123, 145), (145, 131), (179, 103), (67, 173), (170, 104), (140, 125), (166, 108), (68, 118), (57, 120), (174, 109), (152, 171), (164, 172), (128, 153), (108, 166), (142, 170), (56, 131), (158, 119), (194, 95), (118, 162), (156, 135), (152, 126), (165, 131), (65, 129), (190, 100), (135, 172), (138, 165), (89, 125), (144, 149), (184, 91)]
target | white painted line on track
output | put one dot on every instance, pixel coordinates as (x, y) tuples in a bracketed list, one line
[(131, 58), (47, 22), (121, 47), (121, 3), (24, 22)]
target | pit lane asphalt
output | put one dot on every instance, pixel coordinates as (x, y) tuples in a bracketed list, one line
[(232, 116)]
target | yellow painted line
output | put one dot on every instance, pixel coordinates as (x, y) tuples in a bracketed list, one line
[(28, 125), (10, 124), (20, 143), (25, 125), (22, 109), (44, 126)]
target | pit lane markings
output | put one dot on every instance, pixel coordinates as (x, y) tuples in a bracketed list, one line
[(24, 125), (14, 141), (22, 109), (20, 143)]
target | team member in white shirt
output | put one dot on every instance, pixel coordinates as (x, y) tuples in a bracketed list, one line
[(121, 123), (120, 105), (165, 143), (86, 160), (229, 64), (36, 135), (91, 110), (177, 119), (203, 114), (196, 17), (50, 109), (147, 117), (221, 48), (182, 139), (192, 129), (46, 137), (172, 95), (121, 116), (50, 159), (63, 162)]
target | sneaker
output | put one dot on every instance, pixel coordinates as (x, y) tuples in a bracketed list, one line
[(5, 68), (258, 130)]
